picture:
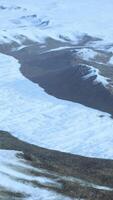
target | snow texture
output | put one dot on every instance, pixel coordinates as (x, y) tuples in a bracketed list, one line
[(56, 19)]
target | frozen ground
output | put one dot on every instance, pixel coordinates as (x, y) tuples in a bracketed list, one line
[(13, 173), (22, 180), (33, 116)]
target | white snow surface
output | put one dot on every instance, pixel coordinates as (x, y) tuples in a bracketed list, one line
[(33, 116), (111, 61), (54, 18)]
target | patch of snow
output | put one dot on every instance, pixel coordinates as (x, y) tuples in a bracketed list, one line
[(59, 48), (30, 114), (102, 187), (19, 48), (111, 61), (98, 78), (86, 53)]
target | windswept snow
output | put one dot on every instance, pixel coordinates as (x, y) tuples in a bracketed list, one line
[(12, 179), (56, 18), (87, 183), (93, 71), (111, 61), (33, 116), (59, 48), (86, 53)]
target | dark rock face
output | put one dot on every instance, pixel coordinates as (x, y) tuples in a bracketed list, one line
[(55, 72), (61, 74)]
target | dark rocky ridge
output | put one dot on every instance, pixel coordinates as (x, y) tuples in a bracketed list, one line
[(54, 71), (60, 73)]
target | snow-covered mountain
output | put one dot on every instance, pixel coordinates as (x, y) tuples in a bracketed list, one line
[(31, 114), (33, 29)]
